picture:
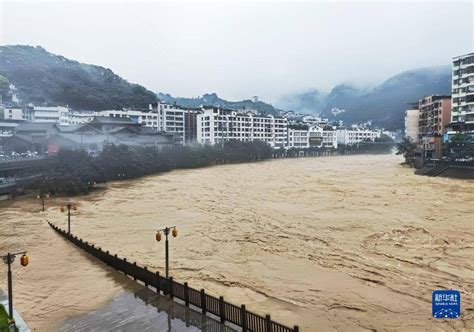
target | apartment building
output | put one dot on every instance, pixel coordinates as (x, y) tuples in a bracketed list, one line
[(434, 116), (177, 120), (216, 125), (411, 124), (78, 117), (145, 118), (353, 136), (462, 114), (298, 138), (15, 114), (47, 114)]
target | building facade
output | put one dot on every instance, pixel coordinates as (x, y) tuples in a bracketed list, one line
[(216, 125), (434, 116), (47, 114), (411, 124), (353, 136), (462, 114)]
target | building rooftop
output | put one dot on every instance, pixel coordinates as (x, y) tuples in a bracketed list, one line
[(113, 120), (32, 126)]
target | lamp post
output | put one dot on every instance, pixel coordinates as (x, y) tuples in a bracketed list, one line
[(68, 206), (166, 231), (9, 259), (42, 196)]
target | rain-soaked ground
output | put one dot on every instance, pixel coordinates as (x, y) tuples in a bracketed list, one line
[(143, 310)]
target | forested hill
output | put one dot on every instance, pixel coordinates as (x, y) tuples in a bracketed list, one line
[(41, 76)]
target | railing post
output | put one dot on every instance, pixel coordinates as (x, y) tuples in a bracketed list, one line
[(157, 282), (135, 275), (116, 262), (144, 277), (203, 301), (268, 323), (125, 261), (170, 287), (186, 294), (222, 309), (243, 318), (296, 328)]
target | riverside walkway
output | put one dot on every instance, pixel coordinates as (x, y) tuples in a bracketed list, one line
[(225, 314), (144, 310)]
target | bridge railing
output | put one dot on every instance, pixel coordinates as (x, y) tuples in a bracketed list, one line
[(221, 309)]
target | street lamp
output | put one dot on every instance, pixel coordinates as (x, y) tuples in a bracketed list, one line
[(166, 231), (8, 259), (42, 196), (68, 206)]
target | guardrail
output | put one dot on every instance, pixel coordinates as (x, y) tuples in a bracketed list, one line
[(223, 310)]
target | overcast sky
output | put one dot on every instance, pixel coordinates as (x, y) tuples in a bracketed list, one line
[(241, 49)]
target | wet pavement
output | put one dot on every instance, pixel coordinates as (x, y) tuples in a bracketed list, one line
[(144, 310)]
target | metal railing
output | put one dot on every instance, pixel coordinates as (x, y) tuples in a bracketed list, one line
[(221, 309)]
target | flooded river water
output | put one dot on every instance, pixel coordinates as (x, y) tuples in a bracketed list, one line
[(329, 243)]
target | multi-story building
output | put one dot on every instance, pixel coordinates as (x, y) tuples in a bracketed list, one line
[(47, 114), (146, 118), (411, 124), (462, 114), (180, 121), (15, 114), (353, 136), (216, 125), (298, 138), (78, 117), (314, 136), (434, 116)]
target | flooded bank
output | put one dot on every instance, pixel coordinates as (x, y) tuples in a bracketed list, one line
[(329, 243)]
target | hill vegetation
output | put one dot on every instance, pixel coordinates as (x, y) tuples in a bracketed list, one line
[(43, 77)]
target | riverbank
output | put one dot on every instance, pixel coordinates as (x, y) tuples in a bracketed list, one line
[(73, 173), (342, 243)]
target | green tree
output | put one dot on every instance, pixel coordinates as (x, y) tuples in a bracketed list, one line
[(407, 149)]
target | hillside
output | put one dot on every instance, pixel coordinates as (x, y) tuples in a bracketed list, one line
[(41, 77), (384, 104), (213, 100)]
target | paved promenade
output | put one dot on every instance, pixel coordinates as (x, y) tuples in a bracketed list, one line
[(20, 323), (143, 310)]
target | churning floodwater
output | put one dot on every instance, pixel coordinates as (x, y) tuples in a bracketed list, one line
[(328, 243)]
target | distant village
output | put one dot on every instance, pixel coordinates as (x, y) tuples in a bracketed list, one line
[(44, 129)]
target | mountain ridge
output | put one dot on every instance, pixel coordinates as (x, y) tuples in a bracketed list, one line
[(383, 104), (44, 77)]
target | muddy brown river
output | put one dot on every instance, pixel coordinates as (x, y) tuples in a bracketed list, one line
[(330, 243)]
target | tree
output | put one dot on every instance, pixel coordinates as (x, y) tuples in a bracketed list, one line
[(407, 149)]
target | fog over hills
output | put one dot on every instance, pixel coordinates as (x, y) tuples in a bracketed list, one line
[(41, 76), (384, 104), (44, 77)]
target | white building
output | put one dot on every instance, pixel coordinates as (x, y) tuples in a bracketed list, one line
[(462, 98), (215, 126), (162, 117), (15, 114), (411, 124), (298, 138), (76, 118), (144, 117), (47, 114), (354, 136)]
